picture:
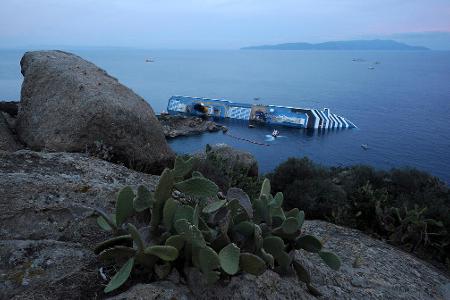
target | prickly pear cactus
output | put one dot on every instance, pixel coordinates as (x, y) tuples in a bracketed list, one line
[(191, 227)]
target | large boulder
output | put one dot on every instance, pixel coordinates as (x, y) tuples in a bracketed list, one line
[(69, 104)]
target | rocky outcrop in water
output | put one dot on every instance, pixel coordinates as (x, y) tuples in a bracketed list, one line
[(174, 126), (47, 233), (69, 104)]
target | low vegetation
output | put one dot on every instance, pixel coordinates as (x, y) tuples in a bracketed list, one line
[(191, 226), (405, 207), (226, 173)]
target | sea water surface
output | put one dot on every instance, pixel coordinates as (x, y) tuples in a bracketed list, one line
[(401, 105)]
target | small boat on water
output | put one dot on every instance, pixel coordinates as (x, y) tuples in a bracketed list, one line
[(365, 146), (266, 114), (149, 60), (275, 133)]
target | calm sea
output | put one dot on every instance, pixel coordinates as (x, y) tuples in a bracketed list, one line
[(402, 106)]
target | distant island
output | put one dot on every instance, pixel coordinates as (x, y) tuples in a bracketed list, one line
[(341, 45)]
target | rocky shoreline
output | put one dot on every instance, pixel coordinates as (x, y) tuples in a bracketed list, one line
[(77, 138), (180, 125)]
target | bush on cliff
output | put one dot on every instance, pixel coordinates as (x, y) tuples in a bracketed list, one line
[(229, 167), (407, 207)]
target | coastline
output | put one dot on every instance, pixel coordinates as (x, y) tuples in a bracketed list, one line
[(87, 146), (178, 125)]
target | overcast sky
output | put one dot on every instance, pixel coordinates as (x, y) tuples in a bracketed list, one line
[(212, 24)]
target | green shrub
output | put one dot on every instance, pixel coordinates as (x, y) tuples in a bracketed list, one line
[(227, 173), (318, 196), (296, 169), (407, 207), (219, 237)]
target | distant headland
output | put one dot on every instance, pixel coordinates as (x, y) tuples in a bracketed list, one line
[(341, 45)]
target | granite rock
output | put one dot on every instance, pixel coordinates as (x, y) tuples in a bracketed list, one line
[(47, 226), (69, 104)]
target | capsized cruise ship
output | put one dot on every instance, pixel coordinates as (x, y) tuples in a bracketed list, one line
[(268, 114)]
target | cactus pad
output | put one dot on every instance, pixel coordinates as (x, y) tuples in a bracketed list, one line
[(290, 225), (208, 259), (143, 199), (273, 245), (229, 259), (242, 198), (214, 206), (138, 242), (169, 210), (182, 167), (308, 243), (265, 188), (121, 276), (176, 241), (277, 201), (331, 259), (104, 223), (124, 205), (252, 264), (245, 228), (184, 212), (166, 253), (198, 187)]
